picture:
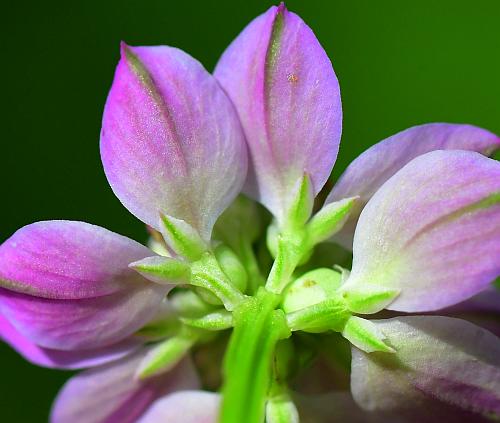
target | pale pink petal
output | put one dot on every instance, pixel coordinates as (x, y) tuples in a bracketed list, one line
[(432, 231), (185, 407), (111, 394), (59, 359), (444, 369), (68, 260), (171, 141), (367, 173), (288, 98), (67, 285)]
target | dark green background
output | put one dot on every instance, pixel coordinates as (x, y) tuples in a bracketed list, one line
[(399, 64)]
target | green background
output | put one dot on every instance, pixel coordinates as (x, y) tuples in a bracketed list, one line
[(399, 64)]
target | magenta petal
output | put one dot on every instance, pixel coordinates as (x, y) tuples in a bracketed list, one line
[(432, 232), (59, 359), (68, 285), (288, 98), (171, 141), (185, 407), (68, 260), (444, 370), (111, 394), (370, 170), (81, 324)]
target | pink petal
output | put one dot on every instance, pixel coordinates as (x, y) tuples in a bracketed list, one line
[(80, 324), (185, 407), (370, 170), (58, 359), (68, 260), (68, 285), (287, 95), (444, 370), (431, 231), (111, 394), (171, 140)]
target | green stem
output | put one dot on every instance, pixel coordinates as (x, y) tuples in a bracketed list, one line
[(247, 365)]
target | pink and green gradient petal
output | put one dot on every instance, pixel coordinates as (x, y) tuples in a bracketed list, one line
[(185, 407), (60, 359), (171, 141), (288, 99), (367, 173), (430, 232), (111, 394), (67, 286), (444, 369), (67, 260)]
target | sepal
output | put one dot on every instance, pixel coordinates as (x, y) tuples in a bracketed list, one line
[(311, 288), (330, 219), (300, 208), (182, 238), (218, 320), (166, 355), (368, 299), (327, 315), (162, 270), (365, 335)]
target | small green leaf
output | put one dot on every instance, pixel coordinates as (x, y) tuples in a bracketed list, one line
[(369, 298), (365, 335), (218, 320), (327, 315), (163, 270), (288, 257), (165, 355), (187, 303), (311, 288), (182, 238), (300, 209), (329, 220), (232, 267)]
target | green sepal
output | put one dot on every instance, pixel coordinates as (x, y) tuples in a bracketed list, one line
[(289, 254), (163, 270), (369, 298), (272, 237), (182, 238), (329, 220), (232, 267), (164, 356), (187, 303), (159, 329), (365, 335), (311, 288), (330, 314), (300, 208), (218, 320), (247, 364), (208, 297), (206, 273)]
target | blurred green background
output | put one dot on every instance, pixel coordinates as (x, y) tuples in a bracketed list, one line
[(399, 64)]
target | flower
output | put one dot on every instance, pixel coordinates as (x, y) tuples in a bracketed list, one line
[(420, 212)]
